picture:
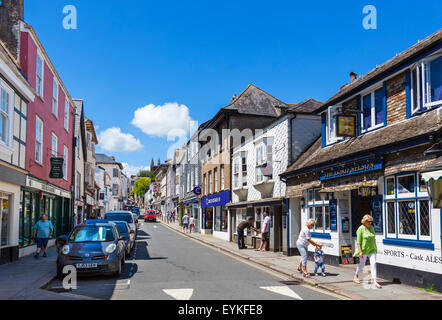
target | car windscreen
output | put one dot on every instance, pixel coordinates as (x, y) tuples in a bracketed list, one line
[(119, 217), (122, 227), (92, 233)]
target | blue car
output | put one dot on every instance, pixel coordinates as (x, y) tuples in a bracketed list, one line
[(94, 248), (125, 231)]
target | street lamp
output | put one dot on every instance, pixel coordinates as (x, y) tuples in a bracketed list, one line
[(322, 193), (365, 189)]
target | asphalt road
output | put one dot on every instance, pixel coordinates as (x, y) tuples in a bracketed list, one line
[(168, 266)]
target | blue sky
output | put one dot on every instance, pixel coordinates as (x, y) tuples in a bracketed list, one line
[(197, 54)]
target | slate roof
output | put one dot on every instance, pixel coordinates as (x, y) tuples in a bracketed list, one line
[(307, 106), (390, 135), (433, 40), (255, 101), (102, 158)]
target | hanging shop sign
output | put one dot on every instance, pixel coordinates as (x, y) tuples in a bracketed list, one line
[(350, 169), (346, 126), (56, 168), (333, 205), (197, 190)]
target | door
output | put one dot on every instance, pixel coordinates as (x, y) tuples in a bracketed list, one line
[(360, 206)]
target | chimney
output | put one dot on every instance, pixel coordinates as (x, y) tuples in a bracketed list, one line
[(11, 14), (113, 158), (353, 76), (233, 98)]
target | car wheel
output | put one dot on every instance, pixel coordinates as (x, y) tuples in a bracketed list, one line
[(118, 272)]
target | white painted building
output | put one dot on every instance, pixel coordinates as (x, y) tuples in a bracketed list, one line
[(257, 164)]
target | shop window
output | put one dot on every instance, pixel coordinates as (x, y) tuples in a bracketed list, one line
[(390, 186), (5, 219), (405, 185), (318, 218), (319, 210), (409, 218)]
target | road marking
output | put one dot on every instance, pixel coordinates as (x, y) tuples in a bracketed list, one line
[(179, 294), (283, 290), (154, 227)]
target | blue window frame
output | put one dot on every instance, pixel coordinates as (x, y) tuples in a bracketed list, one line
[(407, 212)]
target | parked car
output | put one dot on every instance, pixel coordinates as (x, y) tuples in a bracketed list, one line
[(124, 229), (122, 216), (150, 216), (136, 220), (94, 248)]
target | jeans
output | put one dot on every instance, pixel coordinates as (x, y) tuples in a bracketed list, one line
[(372, 257), (303, 252), (240, 237), (320, 265)]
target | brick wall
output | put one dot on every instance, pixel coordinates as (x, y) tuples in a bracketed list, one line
[(11, 12), (396, 99)]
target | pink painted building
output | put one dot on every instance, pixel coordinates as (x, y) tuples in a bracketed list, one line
[(50, 132)]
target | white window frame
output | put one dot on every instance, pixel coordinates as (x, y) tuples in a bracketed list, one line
[(405, 195), (331, 134), (392, 196), (39, 90), (209, 180), (65, 162), (38, 120), (421, 237), (9, 115), (318, 203), (387, 221), (215, 179), (423, 80), (55, 89), (406, 236), (54, 150), (374, 126), (222, 177), (66, 115)]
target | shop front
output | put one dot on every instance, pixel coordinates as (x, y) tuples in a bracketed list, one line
[(215, 215), (192, 208), (39, 198)]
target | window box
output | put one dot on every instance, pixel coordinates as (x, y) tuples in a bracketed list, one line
[(321, 235), (409, 243)]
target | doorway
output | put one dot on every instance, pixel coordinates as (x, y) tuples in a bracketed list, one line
[(360, 206)]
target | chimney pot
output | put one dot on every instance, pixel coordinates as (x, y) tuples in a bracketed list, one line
[(233, 98), (353, 76)]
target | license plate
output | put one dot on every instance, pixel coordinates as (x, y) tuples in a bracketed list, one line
[(86, 265)]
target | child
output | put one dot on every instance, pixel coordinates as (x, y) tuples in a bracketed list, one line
[(319, 260)]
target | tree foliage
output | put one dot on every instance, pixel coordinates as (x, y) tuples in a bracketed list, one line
[(146, 174), (140, 186)]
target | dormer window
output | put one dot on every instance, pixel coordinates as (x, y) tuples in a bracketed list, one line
[(373, 110), (426, 84)]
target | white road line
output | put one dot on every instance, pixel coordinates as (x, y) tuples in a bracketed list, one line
[(179, 294), (283, 290)]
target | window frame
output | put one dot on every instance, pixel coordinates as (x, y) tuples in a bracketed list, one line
[(65, 162), (312, 205), (66, 115), (215, 179), (9, 115), (328, 137), (39, 120), (54, 151), (372, 93), (55, 91), (421, 74), (39, 90)]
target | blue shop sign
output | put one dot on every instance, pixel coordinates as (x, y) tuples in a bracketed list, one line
[(214, 200), (350, 169)]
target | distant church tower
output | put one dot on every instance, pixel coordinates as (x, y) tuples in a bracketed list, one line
[(152, 167)]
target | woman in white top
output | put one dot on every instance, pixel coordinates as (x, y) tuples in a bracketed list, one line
[(303, 241)]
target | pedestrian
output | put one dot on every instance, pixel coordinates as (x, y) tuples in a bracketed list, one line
[(191, 224), (99, 216), (173, 216), (318, 256), (247, 224), (265, 230), (186, 222), (366, 247), (43, 230), (304, 239)]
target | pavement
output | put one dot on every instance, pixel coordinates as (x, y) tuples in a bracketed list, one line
[(339, 279), (26, 278)]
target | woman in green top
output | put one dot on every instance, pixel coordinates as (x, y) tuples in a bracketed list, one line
[(366, 243)]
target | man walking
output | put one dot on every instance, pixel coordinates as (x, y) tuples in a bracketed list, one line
[(247, 224), (43, 230), (265, 229), (186, 222)]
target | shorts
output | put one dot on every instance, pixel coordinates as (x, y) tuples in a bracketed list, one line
[(185, 225), (42, 243), (192, 225), (265, 236)]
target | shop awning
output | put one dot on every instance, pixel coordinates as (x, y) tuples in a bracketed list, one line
[(256, 203), (435, 175)]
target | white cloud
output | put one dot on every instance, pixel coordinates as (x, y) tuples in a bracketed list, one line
[(169, 119), (114, 140), (130, 170)]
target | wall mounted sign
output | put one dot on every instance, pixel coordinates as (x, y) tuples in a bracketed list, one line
[(376, 212), (197, 190), (56, 168), (215, 200), (346, 126), (333, 207), (350, 169)]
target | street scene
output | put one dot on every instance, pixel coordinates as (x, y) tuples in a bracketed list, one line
[(183, 161)]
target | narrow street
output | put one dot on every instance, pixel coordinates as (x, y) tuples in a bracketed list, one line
[(167, 266)]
